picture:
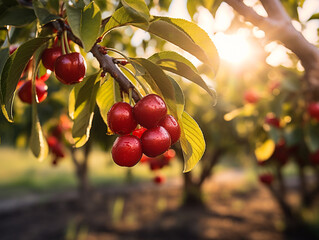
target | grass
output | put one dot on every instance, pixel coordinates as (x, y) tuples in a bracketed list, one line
[(21, 173)]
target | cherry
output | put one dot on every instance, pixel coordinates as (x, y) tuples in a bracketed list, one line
[(12, 48), (272, 121), (155, 141), (70, 68), (169, 154), (314, 158), (281, 152), (150, 110), (139, 132), (172, 127), (127, 150), (266, 178), (49, 57), (251, 96), (313, 110), (44, 77), (55, 147), (159, 179), (120, 118), (144, 159), (25, 91)]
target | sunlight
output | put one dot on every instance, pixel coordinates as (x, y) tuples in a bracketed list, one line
[(233, 48)]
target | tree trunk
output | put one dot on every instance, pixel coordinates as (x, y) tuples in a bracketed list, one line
[(192, 192)]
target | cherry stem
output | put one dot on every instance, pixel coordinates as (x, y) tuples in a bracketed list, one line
[(62, 44), (130, 95), (66, 42)]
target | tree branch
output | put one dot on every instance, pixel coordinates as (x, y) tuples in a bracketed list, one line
[(278, 27)]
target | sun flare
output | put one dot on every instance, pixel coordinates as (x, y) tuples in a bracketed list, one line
[(233, 48)]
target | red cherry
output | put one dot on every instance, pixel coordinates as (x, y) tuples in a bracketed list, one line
[(266, 178), (159, 179), (44, 77), (281, 152), (70, 68), (172, 127), (155, 141), (49, 57), (12, 48), (313, 110), (139, 132), (127, 150), (169, 154), (150, 110), (272, 121), (144, 159), (251, 96), (120, 118), (314, 158), (25, 91), (55, 147)]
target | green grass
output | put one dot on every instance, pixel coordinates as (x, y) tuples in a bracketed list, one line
[(21, 173)]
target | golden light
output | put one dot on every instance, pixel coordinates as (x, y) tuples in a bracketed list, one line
[(233, 48)]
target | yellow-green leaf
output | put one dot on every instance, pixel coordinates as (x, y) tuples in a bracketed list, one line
[(105, 98), (192, 141), (265, 150)]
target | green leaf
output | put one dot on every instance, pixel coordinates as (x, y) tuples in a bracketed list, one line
[(137, 9), (85, 23), (312, 137), (105, 98), (4, 54), (12, 71), (314, 16), (119, 18), (175, 63), (186, 35), (158, 81), (192, 142), (179, 97), (17, 16), (42, 13), (81, 107), (38, 143)]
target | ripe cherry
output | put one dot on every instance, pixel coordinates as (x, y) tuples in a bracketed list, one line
[(155, 141), (127, 150), (139, 132), (313, 110), (70, 68), (159, 179), (120, 118), (55, 147), (44, 77), (251, 96), (266, 178), (272, 121), (12, 48), (150, 110), (49, 57), (172, 127), (314, 158), (25, 91), (281, 153), (169, 154)]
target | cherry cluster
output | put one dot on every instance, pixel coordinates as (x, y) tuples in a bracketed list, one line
[(69, 68), (157, 133)]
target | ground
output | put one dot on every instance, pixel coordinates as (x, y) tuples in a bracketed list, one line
[(145, 211)]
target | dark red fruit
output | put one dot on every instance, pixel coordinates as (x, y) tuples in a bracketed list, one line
[(139, 132), (120, 118), (313, 110), (55, 147), (172, 127), (272, 121), (44, 77), (49, 57), (159, 179), (25, 91), (281, 153), (314, 158), (155, 141), (251, 96), (127, 151), (266, 178), (150, 110), (70, 68)]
